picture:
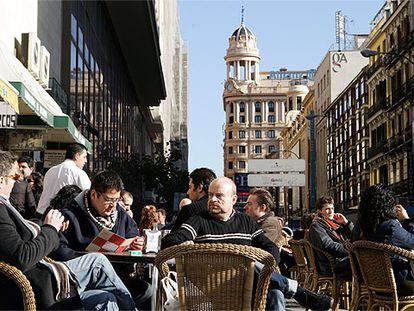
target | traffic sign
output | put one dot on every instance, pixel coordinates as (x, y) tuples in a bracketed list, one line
[(276, 180), (276, 165)]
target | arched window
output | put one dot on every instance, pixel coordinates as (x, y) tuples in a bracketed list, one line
[(257, 107), (271, 106), (242, 107)]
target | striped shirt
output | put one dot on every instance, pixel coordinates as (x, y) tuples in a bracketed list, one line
[(238, 229)]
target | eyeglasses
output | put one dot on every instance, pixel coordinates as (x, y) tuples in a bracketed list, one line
[(109, 201), (16, 176)]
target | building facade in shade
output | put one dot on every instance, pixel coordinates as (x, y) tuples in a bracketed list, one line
[(347, 143), (296, 143), (257, 104), (390, 86), (335, 72), (174, 58)]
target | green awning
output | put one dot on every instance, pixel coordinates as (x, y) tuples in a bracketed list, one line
[(65, 123)]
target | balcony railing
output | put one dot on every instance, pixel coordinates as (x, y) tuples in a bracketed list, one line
[(375, 66), (378, 106), (380, 147)]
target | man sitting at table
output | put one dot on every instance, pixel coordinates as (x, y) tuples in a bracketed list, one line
[(24, 244), (222, 224), (93, 210)]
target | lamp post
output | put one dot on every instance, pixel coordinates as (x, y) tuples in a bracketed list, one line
[(312, 154), (370, 53)]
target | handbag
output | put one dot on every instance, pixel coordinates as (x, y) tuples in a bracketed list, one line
[(170, 288)]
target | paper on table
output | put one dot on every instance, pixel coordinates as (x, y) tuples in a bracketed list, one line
[(107, 241)]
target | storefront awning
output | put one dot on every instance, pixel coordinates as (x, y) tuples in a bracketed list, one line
[(64, 123), (9, 94)]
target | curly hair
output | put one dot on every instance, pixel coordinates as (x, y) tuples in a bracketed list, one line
[(377, 205), (149, 218)]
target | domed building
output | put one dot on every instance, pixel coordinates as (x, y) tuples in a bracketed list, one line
[(257, 104)]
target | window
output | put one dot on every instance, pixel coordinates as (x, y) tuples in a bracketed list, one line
[(271, 118), (258, 134), (242, 134), (242, 107), (271, 148), (257, 107), (271, 107), (299, 102), (271, 134), (258, 149), (290, 100), (242, 164), (242, 119), (230, 135), (230, 150), (230, 165), (242, 149), (231, 119), (231, 108), (258, 119)]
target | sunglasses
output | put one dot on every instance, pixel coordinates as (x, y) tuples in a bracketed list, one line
[(16, 176)]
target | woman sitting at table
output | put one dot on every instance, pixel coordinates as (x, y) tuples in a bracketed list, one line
[(96, 209), (382, 220)]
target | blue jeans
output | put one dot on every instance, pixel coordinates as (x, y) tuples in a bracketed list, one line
[(100, 288)]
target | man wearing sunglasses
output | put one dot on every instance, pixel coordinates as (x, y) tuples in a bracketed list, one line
[(22, 197), (93, 210), (57, 285)]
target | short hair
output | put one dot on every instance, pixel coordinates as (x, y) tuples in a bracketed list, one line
[(202, 176), (325, 199), (64, 196), (162, 211), (263, 197), (74, 149), (28, 160), (105, 180), (7, 160)]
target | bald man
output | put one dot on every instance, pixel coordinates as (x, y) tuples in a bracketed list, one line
[(222, 224)]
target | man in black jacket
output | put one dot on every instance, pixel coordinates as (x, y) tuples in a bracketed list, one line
[(222, 224), (21, 196), (200, 180), (328, 231), (24, 244)]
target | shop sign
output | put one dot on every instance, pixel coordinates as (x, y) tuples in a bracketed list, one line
[(26, 140), (8, 116), (8, 95), (53, 157)]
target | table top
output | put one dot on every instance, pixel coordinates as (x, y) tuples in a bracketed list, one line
[(125, 257)]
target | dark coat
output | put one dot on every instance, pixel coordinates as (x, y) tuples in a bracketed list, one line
[(187, 211), (23, 200), (83, 229), (19, 249)]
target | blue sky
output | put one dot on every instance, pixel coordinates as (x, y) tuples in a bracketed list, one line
[(291, 34)]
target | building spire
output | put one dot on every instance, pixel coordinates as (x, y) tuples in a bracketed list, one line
[(242, 15)]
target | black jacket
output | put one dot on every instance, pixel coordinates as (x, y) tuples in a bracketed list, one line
[(19, 249), (82, 229), (23, 200), (187, 211)]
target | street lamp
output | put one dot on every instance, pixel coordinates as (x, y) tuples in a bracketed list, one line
[(312, 152), (370, 53)]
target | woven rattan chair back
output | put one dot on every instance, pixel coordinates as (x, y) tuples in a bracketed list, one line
[(302, 271), (14, 274), (218, 276)]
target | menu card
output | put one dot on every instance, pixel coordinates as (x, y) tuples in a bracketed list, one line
[(107, 241)]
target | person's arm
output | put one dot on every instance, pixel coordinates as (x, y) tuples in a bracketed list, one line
[(20, 253), (83, 180), (30, 203), (259, 240), (182, 217), (187, 232), (320, 238)]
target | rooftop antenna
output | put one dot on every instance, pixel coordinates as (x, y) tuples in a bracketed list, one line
[(242, 15)]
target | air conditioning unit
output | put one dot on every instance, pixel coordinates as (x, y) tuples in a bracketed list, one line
[(31, 53), (44, 67)]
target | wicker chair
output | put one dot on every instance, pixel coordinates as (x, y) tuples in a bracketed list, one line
[(217, 276), (327, 283), (359, 289), (375, 263), (22, 282), (302, 271)]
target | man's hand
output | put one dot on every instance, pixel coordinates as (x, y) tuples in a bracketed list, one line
[(64, 226), (340, 219), (401, 212), (138, 243), (55, 219)]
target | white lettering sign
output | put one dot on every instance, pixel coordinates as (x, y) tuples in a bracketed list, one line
[(276, 180), (276, 165)]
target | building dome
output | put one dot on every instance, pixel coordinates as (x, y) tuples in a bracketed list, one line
[(242, 31)]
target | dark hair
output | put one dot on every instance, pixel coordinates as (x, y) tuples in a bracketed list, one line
[(202, 176), (377, 205), (37, 179), (74, 149), (7, 160), (105, 180), (162, 211), (325, 199), (64, 196), (263, 197), (28, 160)]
